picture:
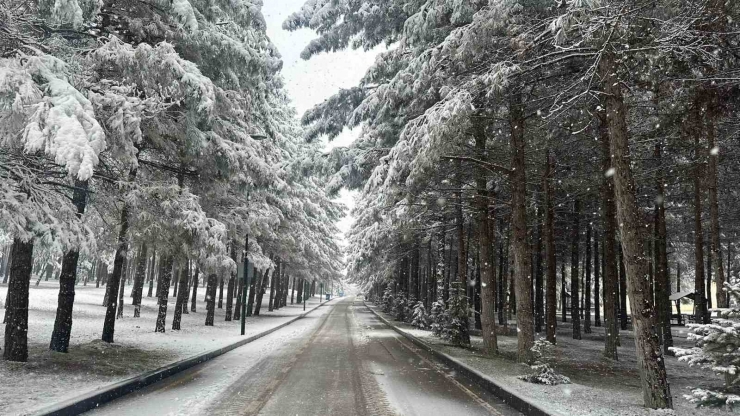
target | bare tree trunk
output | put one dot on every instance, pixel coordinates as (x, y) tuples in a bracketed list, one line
[(522, 256), (65, 303), (182, 297), (597, 292), (551, 313), (211, 300), (662, 274), (651, 365), (611, 279), (575, 234), (165, 272), (587, 286), (261, 291), (152, 268), (221, 292), (195, 289), (462, 263), (700, 301), (714, 230), (115, 279), (488, 284), (16, 304), (139, 280)]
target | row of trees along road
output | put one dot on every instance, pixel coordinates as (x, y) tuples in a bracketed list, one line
[(509, 146), (128, 148)]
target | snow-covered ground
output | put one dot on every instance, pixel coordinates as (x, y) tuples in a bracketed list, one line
[(49, 377), (600, 387)]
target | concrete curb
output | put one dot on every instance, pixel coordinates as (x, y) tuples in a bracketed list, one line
[(508, 396), (93, 399)]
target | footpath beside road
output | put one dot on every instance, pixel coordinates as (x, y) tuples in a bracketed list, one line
[(507, 395), (600, 387), (93, 399)]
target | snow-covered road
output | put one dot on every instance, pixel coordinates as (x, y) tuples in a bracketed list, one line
[(339, 360)]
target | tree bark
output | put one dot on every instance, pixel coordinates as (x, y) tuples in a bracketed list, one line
[(152, 268), (700, 301), (587, 286), (65, 303), (714, 229), (182, 297), (551, 313), (662, 274), (211, 300), (220, 292), (597, 292), (111, 289), (575, 234), (16, 305), (195, 289), (139, 280), (651, 365), (487, 282), (261, 292), (522, 256), (165, 271), (250, 295)]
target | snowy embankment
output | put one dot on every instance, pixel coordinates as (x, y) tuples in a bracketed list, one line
[(600, 387), (49, 377)]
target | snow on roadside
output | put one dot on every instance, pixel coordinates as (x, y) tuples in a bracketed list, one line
[(50, 377), (600, 387)]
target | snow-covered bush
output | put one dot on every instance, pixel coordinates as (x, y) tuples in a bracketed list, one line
[(456, 327), (438, 317), (408, 312), (543, 372), (717, 349), (399, 307), (388, 300), (420, 316)]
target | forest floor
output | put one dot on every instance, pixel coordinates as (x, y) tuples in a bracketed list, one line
[(600, 387), (49, 377)]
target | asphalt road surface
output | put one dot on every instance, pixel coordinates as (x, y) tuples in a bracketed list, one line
[(339, 360)]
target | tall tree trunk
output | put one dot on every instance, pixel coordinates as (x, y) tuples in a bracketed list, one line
[(195, 289), (539, 298), (165, 271), (182, 297), (250, 294), (111, 289), (609, 271), (715, 246), (662, 274), (700, 301), (551, 313), (230, 287), (238, 305), (651, 365), (16, 304), (261, 291), (63, 322), (119, 309), (220, 292), (622, 290), (522, 256), (211, 299), (575, 234), (273, 285), (292, 292), (462, 263), (152, 268), (139, 280), (299, 294), (597, 291), (587, 286), (488, 284)]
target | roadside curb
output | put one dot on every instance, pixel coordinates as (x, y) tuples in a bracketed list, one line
[(509, 397), (93, 399)]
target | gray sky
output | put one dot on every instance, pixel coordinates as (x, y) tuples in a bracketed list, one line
[(311, 82)]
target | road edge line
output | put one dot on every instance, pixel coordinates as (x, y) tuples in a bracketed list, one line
[(502, 392), (93, 399)]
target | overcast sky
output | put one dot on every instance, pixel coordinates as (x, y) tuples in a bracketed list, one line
[(311, 82)]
